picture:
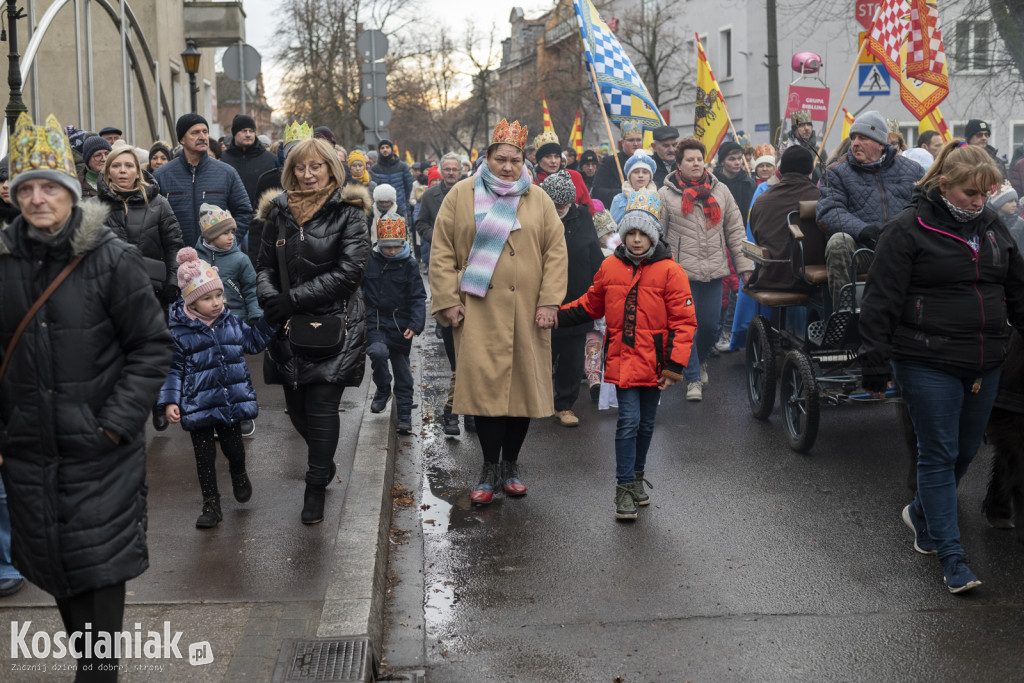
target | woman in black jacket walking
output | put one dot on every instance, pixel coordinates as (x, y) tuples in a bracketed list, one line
[(945, 280), (76, 394), (326, 246)]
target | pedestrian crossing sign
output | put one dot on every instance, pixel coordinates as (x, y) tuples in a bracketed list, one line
[(873, 79)]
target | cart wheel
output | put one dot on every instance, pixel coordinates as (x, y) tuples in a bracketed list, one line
[(761, 367), (800, 402)]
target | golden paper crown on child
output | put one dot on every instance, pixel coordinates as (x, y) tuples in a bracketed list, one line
[(506, 133), (40, 148), (296, 131), (544, 138), (391, 230)]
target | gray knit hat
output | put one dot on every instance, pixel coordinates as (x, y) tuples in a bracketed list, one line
[(560, 188), (870, 124), (1004, 194), (643, 213)]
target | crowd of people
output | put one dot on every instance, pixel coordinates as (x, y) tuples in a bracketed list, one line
[(161, 269)]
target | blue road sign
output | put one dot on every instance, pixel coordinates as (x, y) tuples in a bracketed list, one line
[(873, 79)]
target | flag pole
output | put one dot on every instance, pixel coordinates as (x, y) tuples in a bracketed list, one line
[(849, 79), (607, 125)]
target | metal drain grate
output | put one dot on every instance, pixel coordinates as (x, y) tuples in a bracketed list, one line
[(347, 660)]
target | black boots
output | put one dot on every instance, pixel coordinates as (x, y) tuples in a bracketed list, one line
[(451, 423), (241, 487), (313, 504), (211, 513)]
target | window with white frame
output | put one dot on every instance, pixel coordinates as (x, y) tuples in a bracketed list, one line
[(725, 53), (1018, 135), (973, 45), (958, 128), (909, 135)]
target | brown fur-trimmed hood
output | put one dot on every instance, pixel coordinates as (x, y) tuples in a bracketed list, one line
[(356, 195)]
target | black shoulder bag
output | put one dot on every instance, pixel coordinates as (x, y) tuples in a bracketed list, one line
[(311, 336)]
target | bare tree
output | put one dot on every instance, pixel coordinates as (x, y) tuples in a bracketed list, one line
[(651, 31)]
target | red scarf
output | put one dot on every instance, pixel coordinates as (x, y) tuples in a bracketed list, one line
[(698, 190)]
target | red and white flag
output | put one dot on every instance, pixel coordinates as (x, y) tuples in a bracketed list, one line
[(926, 52), (888, 33)]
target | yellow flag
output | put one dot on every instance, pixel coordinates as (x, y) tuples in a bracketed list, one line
[(710, 118), (847, 122), (576, 136), (934, 121), (548, 127), (408, 158), (473, 154)]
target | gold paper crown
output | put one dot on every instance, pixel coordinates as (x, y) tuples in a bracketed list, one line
[(40, 148), (509, 134), (893, 125), (764, 151), (645, 200), (631, 127), (391, 227), (296, 131), (544, 138)]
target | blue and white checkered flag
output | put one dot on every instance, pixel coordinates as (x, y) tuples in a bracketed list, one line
[(624, 95)]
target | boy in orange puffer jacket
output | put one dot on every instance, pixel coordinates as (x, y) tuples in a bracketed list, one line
[(645, 299)]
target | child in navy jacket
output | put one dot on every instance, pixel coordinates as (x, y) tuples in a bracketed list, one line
[(208, 389), (395, 313)]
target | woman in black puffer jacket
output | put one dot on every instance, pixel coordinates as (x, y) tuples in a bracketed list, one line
[(140, 215), (945, 280), (326, 249)]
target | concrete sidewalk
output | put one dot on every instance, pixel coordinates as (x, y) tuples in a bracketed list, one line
[(260, 579)]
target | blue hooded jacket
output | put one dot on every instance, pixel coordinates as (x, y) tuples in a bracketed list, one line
[(395, 298), (239, 277), (214, 182), (209, 380)]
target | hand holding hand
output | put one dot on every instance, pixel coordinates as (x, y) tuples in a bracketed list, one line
[(173, 413), (278, 309), (454, 315), (665, 382), (546, 318)]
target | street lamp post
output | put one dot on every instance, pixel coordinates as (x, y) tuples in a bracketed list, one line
[(190, 59), (15, 105)]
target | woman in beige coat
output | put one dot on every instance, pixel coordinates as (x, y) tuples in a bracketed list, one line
[(701, 220), (498, 276)]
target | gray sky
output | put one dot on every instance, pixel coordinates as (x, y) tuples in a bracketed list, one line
[(260, 23)]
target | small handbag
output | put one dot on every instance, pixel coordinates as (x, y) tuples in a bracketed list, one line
[(311, 336)]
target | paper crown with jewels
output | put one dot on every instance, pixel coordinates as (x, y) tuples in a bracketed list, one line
[(391, 230), (296, 131), (893, 125), (764, 154), (506, 133), (43, 152), (800, 117), (544, 138), (631, 127), (645, 200)]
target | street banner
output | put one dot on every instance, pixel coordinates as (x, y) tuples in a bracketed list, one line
[(710, 118), (576, 136), (808, 98), (847, 122), (548, 127), (623, 94), (934, 121)]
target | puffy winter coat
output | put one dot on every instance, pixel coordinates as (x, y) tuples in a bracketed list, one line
[(585, 258), (395, 299), (855, 195), (940, 292), (145, 219), (239, 277), (209, 380), (92, 359), (187, 187), (391, 171), (700, 250), (649, 314), (250, 163), (326, 258)]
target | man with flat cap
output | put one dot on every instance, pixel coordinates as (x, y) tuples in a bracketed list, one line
[(664, 148)]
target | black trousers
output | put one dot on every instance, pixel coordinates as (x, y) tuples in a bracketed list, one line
[(103, 610), (501, 437), (313, 409), (205, 446), (567, 361)]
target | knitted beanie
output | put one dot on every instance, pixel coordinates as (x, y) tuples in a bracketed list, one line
[(76, 137), (604, 224), (93, 145), (241, 122), (186, 121), (871, 125), (325, 133), (384, 193), (641, 156), (160, 147), (975, 126), (796, 159), (433, 174), (1004, 194), (214, 221), (728, 148), (560, 188), (196, 277), (643, 213)]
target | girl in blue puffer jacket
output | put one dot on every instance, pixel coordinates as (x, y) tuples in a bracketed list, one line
[(209, 390)]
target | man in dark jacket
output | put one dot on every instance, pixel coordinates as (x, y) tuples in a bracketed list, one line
[(585, 259), (769, 223), (430, 202), (247, 156), (802, 134), (192, 178), (860, 193), (588, 169), (608, 180), (732, 174), (391, 171), (978, 132), (664, 148), (77, 393)]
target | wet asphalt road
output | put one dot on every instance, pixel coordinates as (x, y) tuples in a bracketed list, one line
[(752, 563)]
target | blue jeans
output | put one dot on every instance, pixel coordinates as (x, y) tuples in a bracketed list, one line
[(638, 406), (7, 570), (707, 304), (380, 353), (949, 421)]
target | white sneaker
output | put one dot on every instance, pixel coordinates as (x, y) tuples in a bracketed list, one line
[(704, 374), (694, 392), (723, 343)]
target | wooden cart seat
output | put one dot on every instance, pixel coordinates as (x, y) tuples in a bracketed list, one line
[(816, 274), (770, 298)]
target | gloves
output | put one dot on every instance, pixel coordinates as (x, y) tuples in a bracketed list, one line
[(875, 383), (278, 309), (869, 235)]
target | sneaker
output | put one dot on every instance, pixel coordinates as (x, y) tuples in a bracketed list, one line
[(510, 481), (625, 505), (567, 418), (405, 426), (241, 487), (639, 494), (451, 425), (1000, 522), (695, 391), (210, 515), (957, 575), (11, 586), (484, 491), (379, 402), (248, 427), (723, 343), (704, 374), (923, 543)]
